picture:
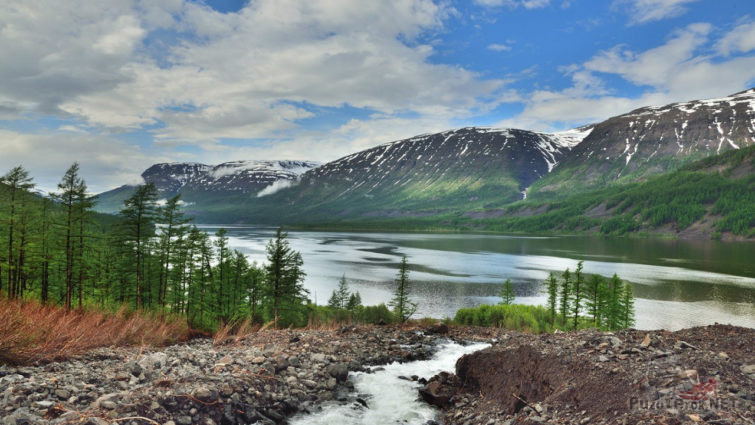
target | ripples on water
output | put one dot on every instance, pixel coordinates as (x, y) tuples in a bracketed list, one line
[(677, 284)]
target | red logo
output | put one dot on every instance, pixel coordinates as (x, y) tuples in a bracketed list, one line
[(700, 391)]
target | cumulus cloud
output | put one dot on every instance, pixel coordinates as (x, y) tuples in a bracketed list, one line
[(105, 162), (228, 75), (739, 40), (679, 69), (644, 11)]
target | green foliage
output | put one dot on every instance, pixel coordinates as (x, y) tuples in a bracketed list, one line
[(403, 307), (507, 293), (608, 307)]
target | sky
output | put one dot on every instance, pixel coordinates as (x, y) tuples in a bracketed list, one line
[(119, 85)]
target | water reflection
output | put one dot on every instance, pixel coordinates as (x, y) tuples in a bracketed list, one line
[(678, 283)]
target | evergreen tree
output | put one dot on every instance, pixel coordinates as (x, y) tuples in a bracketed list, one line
[(283, 277), (71, 190), (403, 307), (577, 290), (507, 293), (564, 295), (354, 303), (173, 228), (552, 290), (18, 183), (626, 307), (593, 290), (340, 296), (612, 305), (138, 224)]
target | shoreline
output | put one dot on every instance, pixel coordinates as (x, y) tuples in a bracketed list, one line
[(275, 374)]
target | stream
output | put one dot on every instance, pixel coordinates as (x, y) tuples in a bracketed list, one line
[(390, 399)]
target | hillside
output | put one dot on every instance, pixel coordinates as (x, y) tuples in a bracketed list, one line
[(652, 140), (710, 198), (201, 184)]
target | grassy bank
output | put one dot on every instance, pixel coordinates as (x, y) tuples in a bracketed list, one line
[(30, 331)]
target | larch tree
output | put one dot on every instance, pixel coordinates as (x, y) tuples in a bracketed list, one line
[(283, 276), (139, 226), (403, 307), (507, 293)]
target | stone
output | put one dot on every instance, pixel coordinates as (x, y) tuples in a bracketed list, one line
[(203, 393), (438, 328), (646, 342), (602, 358), (723, 355), (184, 420), (748, 369), (340, 371), (440, 389), (258, 360), (108, 404), (96, 421), (62, 394)]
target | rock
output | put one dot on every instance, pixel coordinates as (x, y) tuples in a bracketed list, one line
[(62, 394), (134, 368), (723, 355), (258, 360), (340, 371), (602, 358), (203, 393), (440, 389), (690, 373), (153, 361), (646, 342), (44, 404), (318, 357), (96, 421), (693, 417), (438, 328), (614, 341), (679, 345), (184, 420), (108, 404), (748, 369)]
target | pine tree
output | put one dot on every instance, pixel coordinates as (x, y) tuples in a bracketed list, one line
[(613, 310), (139, 226), (565, 295), (283, 276), (173, 223), (552, 290), (340, 296), (18, 183), (403, 307), (507, 293), (593, 289), (577, 290), (626, 307)]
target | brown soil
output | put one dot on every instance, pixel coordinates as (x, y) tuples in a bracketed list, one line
[(592, 377)]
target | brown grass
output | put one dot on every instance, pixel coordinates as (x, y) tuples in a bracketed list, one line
[(30, 331), (234, 332)]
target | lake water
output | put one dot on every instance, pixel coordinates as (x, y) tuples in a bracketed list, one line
[(677, 284)]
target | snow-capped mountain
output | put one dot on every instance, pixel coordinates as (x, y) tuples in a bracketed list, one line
[(470, 165), (235, 176), (198, 183), (655, 139)]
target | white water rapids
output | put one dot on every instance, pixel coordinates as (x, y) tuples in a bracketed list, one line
[(390, 399)]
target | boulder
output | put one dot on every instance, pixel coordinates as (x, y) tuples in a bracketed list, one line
[(440, 389)]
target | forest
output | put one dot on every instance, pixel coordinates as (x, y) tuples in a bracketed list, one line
[(149, 257)]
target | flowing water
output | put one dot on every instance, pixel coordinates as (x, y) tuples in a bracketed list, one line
[(390, 399), (676, 283)]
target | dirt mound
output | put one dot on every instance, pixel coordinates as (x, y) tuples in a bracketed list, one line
[(697, 375)]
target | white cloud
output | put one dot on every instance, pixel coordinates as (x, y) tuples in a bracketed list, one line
[(644, 11), (680, 69), (497, 47), (740, 39), (106, 162), (276, 186), (527, 4), (235, 75)]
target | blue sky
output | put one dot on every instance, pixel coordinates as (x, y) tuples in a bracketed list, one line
[(119, 85)]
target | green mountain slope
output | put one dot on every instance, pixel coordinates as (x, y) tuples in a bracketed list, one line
[(712, 197)]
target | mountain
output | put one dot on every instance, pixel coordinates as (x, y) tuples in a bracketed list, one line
[(198, 183), (652, 140), (456, 169)]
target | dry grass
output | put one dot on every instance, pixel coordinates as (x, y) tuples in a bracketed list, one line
[(30, 331), (233, 332)]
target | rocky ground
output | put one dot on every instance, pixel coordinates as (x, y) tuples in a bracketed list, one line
[(262, 379), (697, 375), (584, 377)]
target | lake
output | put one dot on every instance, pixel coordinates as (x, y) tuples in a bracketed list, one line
[(677, 284)]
